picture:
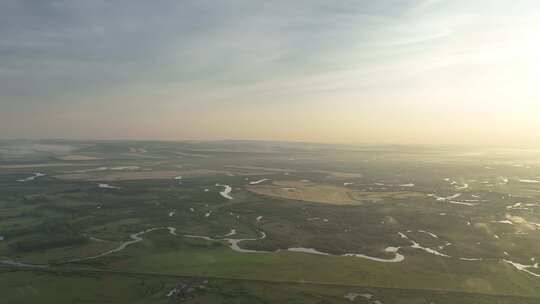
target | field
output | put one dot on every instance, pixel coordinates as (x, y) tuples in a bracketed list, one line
[(327, 194), (267, 222)]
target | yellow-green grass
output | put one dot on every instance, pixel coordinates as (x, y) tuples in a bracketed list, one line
[(418, 271), (326, 194)]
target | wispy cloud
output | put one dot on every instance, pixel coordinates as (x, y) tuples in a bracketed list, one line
[(157, 57)]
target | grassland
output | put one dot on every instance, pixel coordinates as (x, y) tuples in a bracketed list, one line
[(466, 226), (326, 194)]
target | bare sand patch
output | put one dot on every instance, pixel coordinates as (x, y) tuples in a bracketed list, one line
[(339, 174), (260, 168), (380, 196), (136, 175), (78, 157), (309, 192), (137, 150), (326, 194), (335, 174)]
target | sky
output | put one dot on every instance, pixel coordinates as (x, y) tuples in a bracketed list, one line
[(386, 71)]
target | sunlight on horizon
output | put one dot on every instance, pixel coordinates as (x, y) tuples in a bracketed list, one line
[(412, 72)]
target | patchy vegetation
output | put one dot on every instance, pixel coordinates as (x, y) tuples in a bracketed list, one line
[(458, 228)]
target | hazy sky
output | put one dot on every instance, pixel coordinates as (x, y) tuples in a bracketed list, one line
[(385, 71)]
